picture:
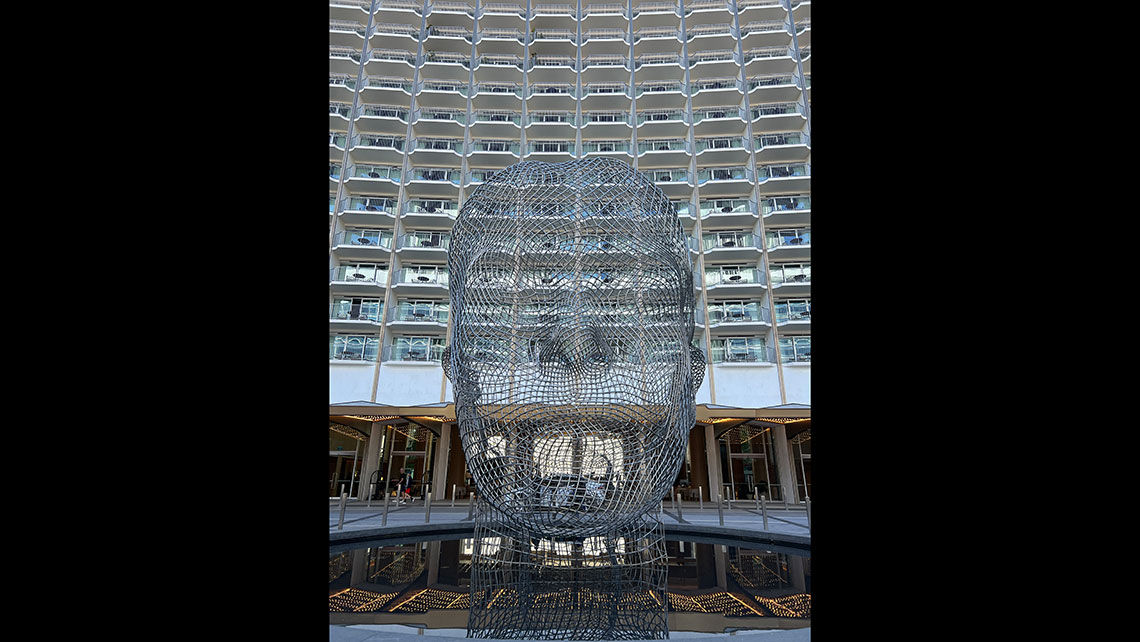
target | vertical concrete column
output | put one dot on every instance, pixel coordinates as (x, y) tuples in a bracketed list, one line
[(796, 572), (456, 463), (699, 472), (712, 456), (371, 460), (439, 468), (721, 556), (433, 563), (784, 464)]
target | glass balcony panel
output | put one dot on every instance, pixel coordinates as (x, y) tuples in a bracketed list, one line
[(779, 139)]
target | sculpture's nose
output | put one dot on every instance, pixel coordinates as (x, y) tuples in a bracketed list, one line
[(576, 338)]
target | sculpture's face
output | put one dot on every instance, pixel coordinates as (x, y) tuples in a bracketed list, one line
[(569, 349)]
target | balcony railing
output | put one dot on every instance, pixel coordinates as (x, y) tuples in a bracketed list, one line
[(659, 116), (793, 238), (718, 143), (347, 310), (390, 142), (662, 145), (550, 117), (769, 81), (723, 174), (742, 351), (372, 204), (385, 112), (795, 349), (726, 206), (359, 274), (353, 347), (364, 238), (668, 176), (447, 208), (775, 109), (417, 350), (422, 276), (750, 312), (747, 276), (497, 117), (410, 311), (605, 146), (388, 83), (440, 240), (728, 240), (790, 274), (377, 171), (785, 203), (451, 144), (769, 140)]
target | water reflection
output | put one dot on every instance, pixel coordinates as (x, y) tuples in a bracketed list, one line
[(710, 587)]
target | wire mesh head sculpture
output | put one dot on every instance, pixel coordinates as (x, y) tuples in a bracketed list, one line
[(572, 301)]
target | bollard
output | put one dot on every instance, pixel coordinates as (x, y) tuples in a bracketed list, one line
[(720, 508), (807, 501), (387, 493), (764, 511), (427, 508), (453, 495), (343, 501), (673, 502), (371, 492), (679, 515), (342, 489), (470, 505), (701, 497), (756, 495)]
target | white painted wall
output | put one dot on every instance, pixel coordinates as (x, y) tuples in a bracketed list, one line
[(797, 383), (746, 386), (350, 381), (409, 384)]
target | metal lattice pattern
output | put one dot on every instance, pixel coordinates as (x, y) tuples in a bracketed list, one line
[(574, 375)]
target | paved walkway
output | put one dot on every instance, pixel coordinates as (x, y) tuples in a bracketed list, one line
[(359, 516)]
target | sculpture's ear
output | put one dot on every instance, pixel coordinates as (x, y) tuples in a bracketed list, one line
[(697, 362), (445, 361)]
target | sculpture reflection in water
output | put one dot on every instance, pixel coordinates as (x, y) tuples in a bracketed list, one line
[(574, 376)]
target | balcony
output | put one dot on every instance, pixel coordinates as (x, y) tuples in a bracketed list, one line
[(492, 153), (718, 122), (496, 124), (768, 33), (721, 150), (605, 96), (743, 351), (734, 281), (768, 61), (795, 350), (711, 37), (604, 41), (550, 151), (350, 10), (362, 244), (418, 316), (423, 246), (715, 92), (685, 212), (379, 149), (446, 65), (793, 315), (389, 91), (368, 210), (499, 68), (760, 10), (604, 16), (346, 34), (355, 315), (395, 35), (674, 182), (503, 15), (554, 17), (443, 94), (728, 212), (437, 151), (661, 124), (738, 316), (548, 69), (656, 96), (341, 88), (619, 149), (777, 117), (731, 246), (551, 96), (657, 39), (392, 63), (500, 41), (705, 12), (365, 279), (725, 181), (447, 38), (552, 124), (426, 280), (383, 120), (792, 279), (434, 181), (497, 96), (663, 152), (606, 124), (408, 11), (555, 42), (343, 60), (340, 114), (374, 179), (783, 147), (605, 68), (428, 350), (362, 348), (431, 213), (435, 122), (788, 244), (772, 89), (659, 67), (334, 175), (777, 179)]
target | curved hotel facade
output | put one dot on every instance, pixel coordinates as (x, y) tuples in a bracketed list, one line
[(709, 98)]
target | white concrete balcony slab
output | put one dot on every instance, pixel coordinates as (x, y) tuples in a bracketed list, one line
[(392, 63), (451, 14), (350, 10), (347, 34), (661, 124)]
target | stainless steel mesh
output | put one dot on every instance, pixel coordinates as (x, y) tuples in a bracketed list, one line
[(574, 375)]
